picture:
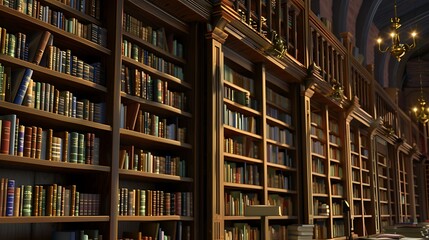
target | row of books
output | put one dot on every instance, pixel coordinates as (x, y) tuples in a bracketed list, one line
[(334, 153), (279, 179), (45, 200), (154, 36), (278, 100), (242, 231), (317, 147), (241, 145), (239, 120), (281, 135), (236, 202), (142, 202), (237, 96), (165, 230), (69, 24), (337, 189), (135, 159), (133, 118), (279, 155), (46, 97), (336, 170), (280, 115), (318, 165), (319, 185), (318, 132), (14, 44), (136, 82), (139, 54), (63, 61), (89, 234), (35, 142), (285, 203), (241, 173), (89, 7), (232, 76)]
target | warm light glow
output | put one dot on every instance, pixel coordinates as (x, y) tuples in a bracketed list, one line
[(379, 40), (415, 109), (397, 49)]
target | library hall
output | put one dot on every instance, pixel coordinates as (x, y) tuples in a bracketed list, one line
[(214, 119)]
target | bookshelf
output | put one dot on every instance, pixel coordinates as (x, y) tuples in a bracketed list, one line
[(112, 100), (404, 189), (55, 88), (327, 173), (386, 195), (282, 160), (242, 145), (320, 171), (362, 210), (156, 157)]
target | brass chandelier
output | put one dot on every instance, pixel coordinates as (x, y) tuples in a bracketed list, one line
[(421, 111), (397, 49)]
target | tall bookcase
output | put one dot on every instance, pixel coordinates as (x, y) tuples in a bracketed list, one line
[(107, 125), (59, 125), (361, 170), (404, 188), (385, 191), (327, 173), (259, 154)]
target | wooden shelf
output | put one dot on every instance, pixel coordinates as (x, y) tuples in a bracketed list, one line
[(134, 174), (50, 219), (154, 218)]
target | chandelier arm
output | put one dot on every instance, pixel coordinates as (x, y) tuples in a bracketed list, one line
[(385, 50)]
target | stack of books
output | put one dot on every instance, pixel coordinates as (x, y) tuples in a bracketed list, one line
[(300, 231)]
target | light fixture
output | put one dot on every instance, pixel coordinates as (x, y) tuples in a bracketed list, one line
[(397, 49), (421, 111)]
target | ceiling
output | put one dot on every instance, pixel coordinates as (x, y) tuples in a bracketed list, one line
[(414, 15)]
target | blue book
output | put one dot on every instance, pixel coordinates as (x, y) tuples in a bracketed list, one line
[(10, 197), (23, 86)]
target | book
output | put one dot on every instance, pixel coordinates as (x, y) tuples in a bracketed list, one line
[(5, 136), (37, 46), (21, 86), (132, 112), (13, 119), (10, 197)]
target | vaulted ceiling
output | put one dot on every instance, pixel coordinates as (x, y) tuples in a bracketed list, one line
[(414, 15)]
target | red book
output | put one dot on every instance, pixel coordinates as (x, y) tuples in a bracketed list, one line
[(27, 141), (5, 136)]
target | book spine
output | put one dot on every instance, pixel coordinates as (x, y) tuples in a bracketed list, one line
[(5, 137), (26, 208), (23, 86), (10, 197)]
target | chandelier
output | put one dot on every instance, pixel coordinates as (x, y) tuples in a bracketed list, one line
[(421, 111), (397, 49)]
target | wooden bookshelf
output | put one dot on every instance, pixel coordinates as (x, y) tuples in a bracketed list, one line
[(63, 100), (157, 146), (130, 157)]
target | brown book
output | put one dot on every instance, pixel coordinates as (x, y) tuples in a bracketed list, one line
[(2, 193), (39, 142), (16, 201), (64, 136), (36, 201), (73, 200), (21, 139), (5, 136), (37, 46), (33, 141), (28, 141), (49, 144), (49, 200), (131, 117)]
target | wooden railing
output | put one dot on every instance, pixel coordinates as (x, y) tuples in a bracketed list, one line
[(285, 19), (385, 108), (327, 52), (271, 19), (360, 85)]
